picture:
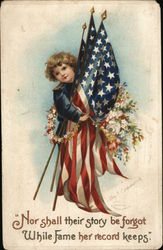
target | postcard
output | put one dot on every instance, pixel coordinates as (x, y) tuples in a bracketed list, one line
[(81, 125)]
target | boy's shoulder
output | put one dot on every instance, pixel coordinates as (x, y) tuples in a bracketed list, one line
[(58, 87)]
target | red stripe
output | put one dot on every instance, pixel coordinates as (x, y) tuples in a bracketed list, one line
[(77, 101), (84, 174), (94, 192), (72, 185), (116, 169), (65, 158)]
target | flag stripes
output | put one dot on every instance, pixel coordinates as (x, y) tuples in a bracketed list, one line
[(86, 158)]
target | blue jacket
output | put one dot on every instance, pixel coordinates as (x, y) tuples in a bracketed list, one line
[(65, 109)]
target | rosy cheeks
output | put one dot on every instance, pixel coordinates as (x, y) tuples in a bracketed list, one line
[(64, 73)]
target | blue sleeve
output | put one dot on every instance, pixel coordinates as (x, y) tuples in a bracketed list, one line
[(64, 107)]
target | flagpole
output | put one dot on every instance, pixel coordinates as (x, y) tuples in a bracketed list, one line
[(42, 176), (104, 15), (47, 164), (84, 26)]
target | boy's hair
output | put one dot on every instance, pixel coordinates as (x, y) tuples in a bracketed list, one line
[(57, 60)]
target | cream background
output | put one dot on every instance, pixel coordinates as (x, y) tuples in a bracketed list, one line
[(26, 26)]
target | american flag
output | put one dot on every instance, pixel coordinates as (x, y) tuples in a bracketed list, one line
[(85, 49), (90, 40), (79, 63), (100, 80), (86, 154)]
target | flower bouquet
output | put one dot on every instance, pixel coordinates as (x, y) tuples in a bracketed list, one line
[(120, 127)]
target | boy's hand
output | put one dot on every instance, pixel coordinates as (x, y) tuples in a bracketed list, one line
[(84, 117)]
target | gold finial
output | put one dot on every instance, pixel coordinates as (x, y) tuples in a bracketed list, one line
[(104, 15), (84, 26), (92, 10)]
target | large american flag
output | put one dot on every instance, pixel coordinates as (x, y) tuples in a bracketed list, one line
[(100, 80), (86, 154)]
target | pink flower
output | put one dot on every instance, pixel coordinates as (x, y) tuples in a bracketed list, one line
[(112, 146)]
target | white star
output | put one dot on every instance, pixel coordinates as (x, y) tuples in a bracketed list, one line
[(101, 93), (83, 83), (96, 50), (86, 74), (93, 103), (100, 81), (104, 48), (92, 83), (109, 87), (105, 102), (93, 57), (98, 63), (95, 73), (102, 58), (99, 41), (90, 66), (106, 65), (111, 75), (98, 105), (107, 40), (108, 54), (102, 32), (101, 113), (101, 72), (117, 84), (91, 37), (90, 92)]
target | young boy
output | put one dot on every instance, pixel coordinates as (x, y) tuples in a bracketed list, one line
[(86, 157), (61, 67)]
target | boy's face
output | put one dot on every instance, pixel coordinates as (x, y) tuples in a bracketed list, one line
[(64, 73)]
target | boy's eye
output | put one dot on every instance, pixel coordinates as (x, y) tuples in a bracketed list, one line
[(56, 74), (64, 67)]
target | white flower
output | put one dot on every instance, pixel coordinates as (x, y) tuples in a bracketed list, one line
[(113, 127), (124, 124), (112, 114), (50, 116)]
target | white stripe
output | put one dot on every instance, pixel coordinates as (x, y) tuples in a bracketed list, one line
[(93, 205), (102, 200), (79, 158), (83, 97), (96, 147), (87, 158), (80, 193)]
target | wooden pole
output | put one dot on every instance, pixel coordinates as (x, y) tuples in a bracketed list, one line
[(42, 176), (47, 164)]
